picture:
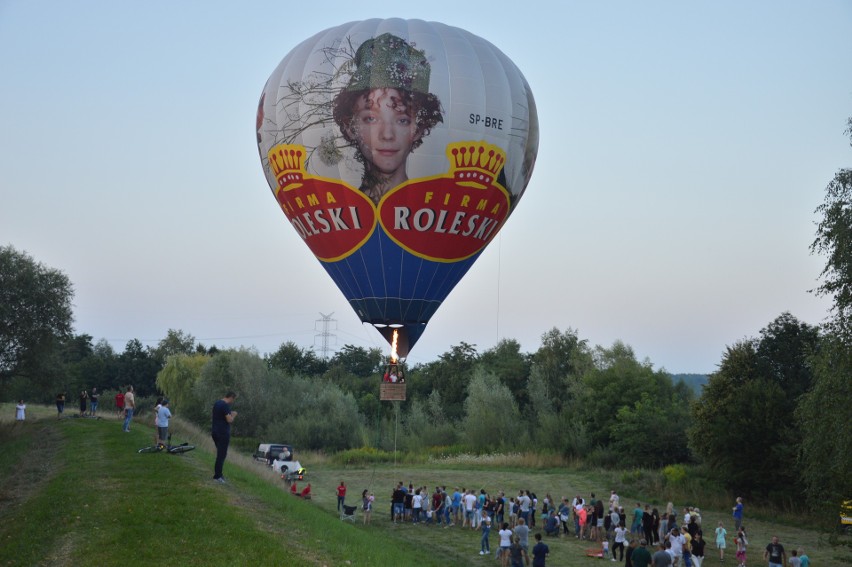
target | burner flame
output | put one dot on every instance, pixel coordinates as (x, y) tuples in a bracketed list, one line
[(394, 353)]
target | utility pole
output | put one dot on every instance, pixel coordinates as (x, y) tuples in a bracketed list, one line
[(325, 334)]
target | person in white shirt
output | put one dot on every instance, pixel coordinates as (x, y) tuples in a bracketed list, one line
[(613, 500), (469, 507), (676, 539), (416, 506), (20, 411)]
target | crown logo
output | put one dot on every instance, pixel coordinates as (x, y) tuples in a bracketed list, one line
[(288, 164), (475, 163)]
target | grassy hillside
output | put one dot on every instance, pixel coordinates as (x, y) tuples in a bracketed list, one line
[(75, 492)]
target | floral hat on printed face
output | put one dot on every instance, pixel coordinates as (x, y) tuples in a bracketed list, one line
[(388, 61)]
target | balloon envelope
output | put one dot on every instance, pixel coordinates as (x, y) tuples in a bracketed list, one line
[(397, 149)]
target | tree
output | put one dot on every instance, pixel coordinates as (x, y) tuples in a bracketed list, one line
[(491, 414), (138, 368), (834, 239), (35, 313), (617, 380), (825, 417), (785, 348), (652, 431), (449, 375), (506, 361), (824, 413), (178, 378), (175, 342), (747, 405), (291, 358), (357, 360), (562, 359)]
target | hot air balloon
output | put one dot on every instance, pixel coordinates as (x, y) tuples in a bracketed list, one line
[(397, 149)]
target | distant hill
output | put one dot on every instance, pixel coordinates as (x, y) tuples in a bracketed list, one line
[(694, 381)]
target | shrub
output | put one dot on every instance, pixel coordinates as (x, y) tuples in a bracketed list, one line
[(674, 474)]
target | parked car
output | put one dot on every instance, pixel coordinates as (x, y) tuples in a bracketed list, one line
[(271, 452), (279, 456)]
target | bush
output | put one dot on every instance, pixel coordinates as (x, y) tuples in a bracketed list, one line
[(674, 474)]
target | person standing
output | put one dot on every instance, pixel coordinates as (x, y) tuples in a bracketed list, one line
[(129, 407), (618, 544), (20, 411), (341, 495), (540, 552), (485, 526), (804, 560), (661, 558), (522, 533), (641, 556), (93, 402), (775, 554), (677, 541), (84, 399), (60, 404), (628, 554), (119, 404), (636, 526), (613, 500), (698, 549), (742, 546), (517, 554), (367, 505), (222, 418), (397, 503), (738, 513), (505, 543), (163, 417), (721, 534)]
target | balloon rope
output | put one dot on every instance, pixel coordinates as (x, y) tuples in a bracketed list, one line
[(499, 258)]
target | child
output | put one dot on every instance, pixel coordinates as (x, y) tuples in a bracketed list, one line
[(721, 533), (485, 525), (386, 110), (20, 411), (367, 505), (741, 549), (804, 560), (605, 549), (794, 560)]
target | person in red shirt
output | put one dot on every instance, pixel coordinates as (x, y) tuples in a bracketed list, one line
[(119, 403), (341, 495)]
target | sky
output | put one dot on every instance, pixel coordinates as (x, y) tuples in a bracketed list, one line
[(684, 148)]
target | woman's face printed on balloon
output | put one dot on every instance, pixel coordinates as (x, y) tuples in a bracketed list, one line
[(384, 130)]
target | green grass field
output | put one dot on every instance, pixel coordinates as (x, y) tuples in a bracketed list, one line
[(75, 492)]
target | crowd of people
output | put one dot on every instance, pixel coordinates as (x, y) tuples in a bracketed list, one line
[(640, 536)]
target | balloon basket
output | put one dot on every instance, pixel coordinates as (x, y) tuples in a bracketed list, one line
[(392, 392)]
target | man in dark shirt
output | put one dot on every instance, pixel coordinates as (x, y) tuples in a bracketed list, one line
[(539, 552), (222, 418), (397, 501), (641, 556), (775, 553)]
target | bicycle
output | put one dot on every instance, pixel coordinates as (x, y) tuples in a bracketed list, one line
[(168, 447)]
